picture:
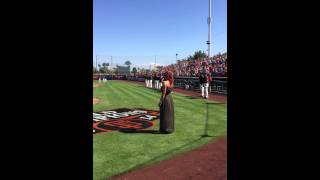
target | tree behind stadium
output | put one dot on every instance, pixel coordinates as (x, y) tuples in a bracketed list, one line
[(199, 54)]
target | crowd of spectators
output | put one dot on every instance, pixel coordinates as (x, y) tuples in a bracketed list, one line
[(191, 68), (217, 66)]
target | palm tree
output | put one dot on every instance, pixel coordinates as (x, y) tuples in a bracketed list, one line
[(128, 63), (134, 71)]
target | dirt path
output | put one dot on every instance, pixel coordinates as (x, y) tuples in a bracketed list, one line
[(208, 162), (95, 101), (97, 85)]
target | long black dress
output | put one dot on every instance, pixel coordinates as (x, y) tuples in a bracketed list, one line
[(167, 113)]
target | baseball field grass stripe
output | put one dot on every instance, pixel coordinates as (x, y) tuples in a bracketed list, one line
[(140, 93), (118, 152), (121, 99), (138, 102), (139, 98), (110, 94), (178, 96)]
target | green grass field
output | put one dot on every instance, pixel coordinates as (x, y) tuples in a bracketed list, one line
[(117, 152)]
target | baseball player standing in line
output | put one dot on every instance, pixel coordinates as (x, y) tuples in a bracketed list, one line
[(146, 79), (161, 79), (150, 80), (156, 81)]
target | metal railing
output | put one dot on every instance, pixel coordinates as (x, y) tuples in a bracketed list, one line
[(218, 85)]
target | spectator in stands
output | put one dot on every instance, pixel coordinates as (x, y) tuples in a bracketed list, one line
[(191, 68)]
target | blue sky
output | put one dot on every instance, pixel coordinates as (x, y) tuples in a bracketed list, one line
[(139, 30)]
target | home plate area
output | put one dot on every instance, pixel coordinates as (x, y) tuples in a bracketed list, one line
[(123, 119)]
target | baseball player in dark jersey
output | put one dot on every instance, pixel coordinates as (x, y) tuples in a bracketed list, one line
[(203, 78), (151, 79), (156, 78), (146, 79)]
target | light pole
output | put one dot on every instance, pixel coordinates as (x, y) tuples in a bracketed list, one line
[(111, 62), (176, 57), (209, 29)]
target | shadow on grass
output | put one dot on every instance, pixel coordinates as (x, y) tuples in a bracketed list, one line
[(143, 131), (155, 90), (212, 103), (140, 131), (194, 97)]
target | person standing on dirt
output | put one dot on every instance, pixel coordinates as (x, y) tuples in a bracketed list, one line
[(166, 104), (203, 78)]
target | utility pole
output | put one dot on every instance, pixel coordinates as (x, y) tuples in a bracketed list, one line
[(176, 57), (97, 62)]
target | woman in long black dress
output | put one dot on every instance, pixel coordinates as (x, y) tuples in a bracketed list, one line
[(166, 104)]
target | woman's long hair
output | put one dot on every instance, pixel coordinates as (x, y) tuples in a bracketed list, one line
[(169, 76)]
